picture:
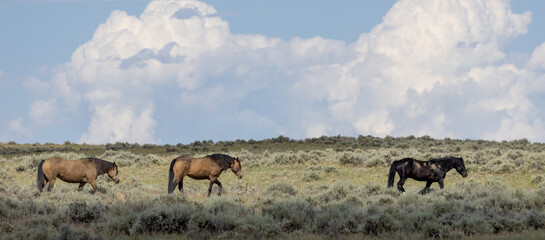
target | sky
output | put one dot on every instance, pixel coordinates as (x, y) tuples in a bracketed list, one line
[(179, 71)]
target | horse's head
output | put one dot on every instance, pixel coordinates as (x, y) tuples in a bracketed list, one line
[(461, 168), (112, 173), (235, 167)]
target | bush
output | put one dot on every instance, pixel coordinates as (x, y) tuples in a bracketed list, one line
[(164, 219), (381, 220), (6, 227), (204, 220), (257, 226), (310, 176), (119, 220), (80, 212), (39, 232), (339, 219), (66, 232), (351, 159), (293, 214), (537, 179), (535, 220), (283, 188)]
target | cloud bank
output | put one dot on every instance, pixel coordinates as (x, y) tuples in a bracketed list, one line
[(177, 73)]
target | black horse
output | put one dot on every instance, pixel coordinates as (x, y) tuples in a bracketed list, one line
[(430, 171)]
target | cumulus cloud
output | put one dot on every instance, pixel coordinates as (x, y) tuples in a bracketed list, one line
[(36, 87), (42, 113), (430, 68)]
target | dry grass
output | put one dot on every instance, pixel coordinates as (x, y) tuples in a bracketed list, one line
[(317, 177)]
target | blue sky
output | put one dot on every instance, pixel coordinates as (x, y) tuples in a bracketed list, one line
[(179, 71)]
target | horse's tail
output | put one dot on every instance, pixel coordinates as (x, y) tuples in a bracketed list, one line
[(392, 174), (41, 176), (171, 185)]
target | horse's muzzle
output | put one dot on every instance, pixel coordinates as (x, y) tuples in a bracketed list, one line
[(116, 181), (240, 176)]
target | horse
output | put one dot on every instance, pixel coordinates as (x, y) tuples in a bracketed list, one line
[(430, 171), (82, 171), (209, 167)]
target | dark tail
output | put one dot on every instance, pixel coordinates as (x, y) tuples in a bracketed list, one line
[(41, 176), (171, 185), (392, 174)]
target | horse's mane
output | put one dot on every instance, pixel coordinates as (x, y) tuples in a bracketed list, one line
[(447, 161), (223, 160), (102, 166)]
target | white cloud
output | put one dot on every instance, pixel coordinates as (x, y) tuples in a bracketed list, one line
[(15, 129), (431, 67), (36, 87), (43, 112), (318, 130), (111, 123), (538, 57), (377, 123), (422, 49), (16, 125)]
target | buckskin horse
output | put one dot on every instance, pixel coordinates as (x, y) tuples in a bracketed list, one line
[(209, 167), (430, 171), (82, 171)]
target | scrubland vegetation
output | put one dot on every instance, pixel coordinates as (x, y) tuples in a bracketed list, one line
[(326, 187)]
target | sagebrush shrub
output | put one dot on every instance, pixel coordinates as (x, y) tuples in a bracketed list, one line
[(311, 175), (67, 232), (80, 212), (164, 219), (204, 220), (293, 214), (258, 226), (348, 158), (283, 187), (6, 227), (381, 220), (339, 219)]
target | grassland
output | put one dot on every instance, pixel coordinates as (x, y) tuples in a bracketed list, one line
[(327, 187)]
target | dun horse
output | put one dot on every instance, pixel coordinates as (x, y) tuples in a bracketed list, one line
[(82, 171), (209, 167), (430, 171)]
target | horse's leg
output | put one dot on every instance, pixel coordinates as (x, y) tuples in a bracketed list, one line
[(51, 184), (93, 183), (181, 185), (219, 185), (441, 185), (81, 186), (44, 183), (400, 184), (427, 188), (212, 180)]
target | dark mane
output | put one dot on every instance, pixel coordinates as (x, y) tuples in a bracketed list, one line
[(223, 160), (447, 162), (101, 165)]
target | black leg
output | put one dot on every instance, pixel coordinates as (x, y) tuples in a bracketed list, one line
[(81, 186), (400, 184), (181, 186), (427, 188), (441, 185), (219, 185), (210, 188)]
